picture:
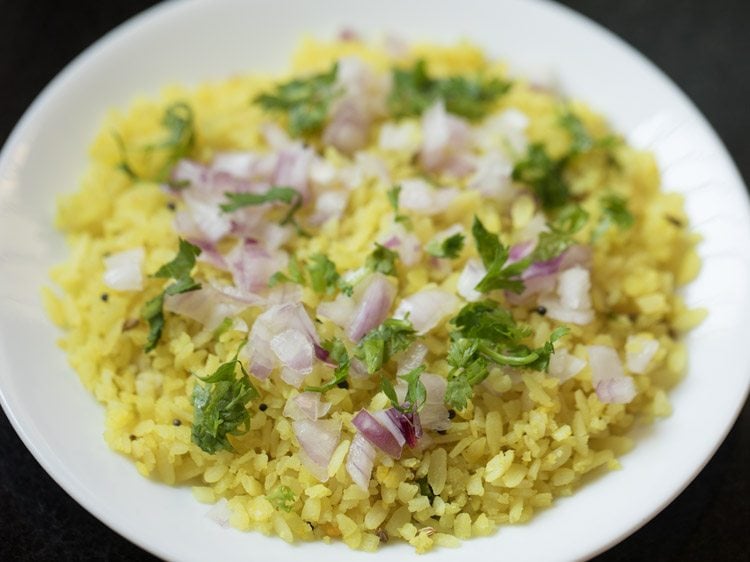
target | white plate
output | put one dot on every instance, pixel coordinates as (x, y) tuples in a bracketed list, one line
[(191, 41)]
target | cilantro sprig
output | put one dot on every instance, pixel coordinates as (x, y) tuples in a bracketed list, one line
[(382, 260), (321, 270), (449, 247), (393, 196), (494, 254), (487, 334), (179, 269), (305, 101), (414, 91), (179, 122), (337, 353), (416, 393), (381, 343), (282, 498), (220, 406), (615, 212)]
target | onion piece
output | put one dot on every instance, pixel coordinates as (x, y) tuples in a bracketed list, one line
[(433, 415), (492, 177), (387, 438), (360, 461), (306, 405), (295, 352), (639, 351), (373, 304), (420, 196), (472, 273), (425, 309), (505, 132), (206, 305), (252, 265), (411, 358), (446, 142), (220, 513), (407, 423), (123, 270), (564, 365), (318, 440), (404, 137), (329, 205), (274, 321), (610, 382), (406, 244), (573, 302)]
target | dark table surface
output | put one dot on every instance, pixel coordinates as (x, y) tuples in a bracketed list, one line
[(703, 46)]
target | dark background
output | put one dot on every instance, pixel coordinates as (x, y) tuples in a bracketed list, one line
[(704, 46)]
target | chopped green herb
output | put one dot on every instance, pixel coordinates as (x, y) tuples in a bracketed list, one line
[(414, 91), (323, 275), (275, 194), (500, 274), (220, 406), (222, 328), (425, 489), (282, 498), (383, 342), (544, 175), (416, 393), (393, 196), (581, 140), (179, 269), (449, 247), (295, 274), (614, 213), (487, 333), (382, 260), (179, 122), (338, 353), (305, 101), (124, 166)]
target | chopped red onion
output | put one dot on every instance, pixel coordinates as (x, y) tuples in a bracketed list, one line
[(387, 439), (434, 414), (252, 266), (220, 513), (206, 305), (272, 322), (318, 440), (610, 382), (275, 136), (564, 365), (403, 137), (329, 205), (572, 302), (427, 308), (492, 177), (643, 352), (373, 305), (446, 142), (295, 352), (472, 273), (123, 270), (506, 131), (360, 461), (521, 250), (307, 405), (237, 164), (412, 358), (292, 168), (406, 244), (407, 423), (420, 196)]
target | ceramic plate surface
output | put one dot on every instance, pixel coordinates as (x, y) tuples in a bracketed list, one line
[(193, 41)]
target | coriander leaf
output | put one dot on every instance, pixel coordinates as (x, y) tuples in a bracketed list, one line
[(494, 254), (614, 212), (544, 175), (124, 166), (425, 489), (546, 351), (323, 275), (339, 354), (295, 275), (416, 393), (282, 498), (550, 244), (179, 122), (222, 328), (581, 140), (279, 194), (383, 342), (489, 247), (387, 387), (153, 313), (468, 369), (382, 260), (182, 264), (570, 219), (393, 196), (414, 91), (488, 320), (305, 101), (449, 247), (220, 407), (179, 269)]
